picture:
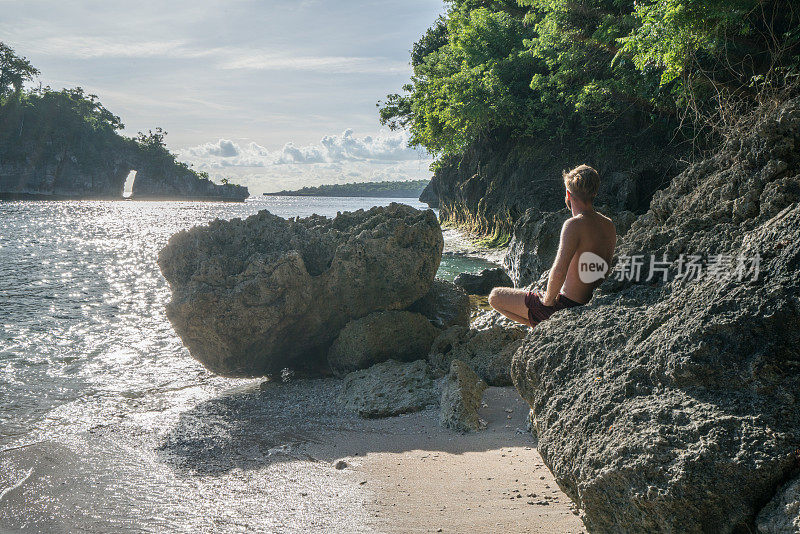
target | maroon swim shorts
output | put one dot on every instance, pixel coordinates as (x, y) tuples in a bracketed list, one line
[(538, 312)]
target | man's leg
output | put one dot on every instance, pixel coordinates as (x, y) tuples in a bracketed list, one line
[(511, 303)]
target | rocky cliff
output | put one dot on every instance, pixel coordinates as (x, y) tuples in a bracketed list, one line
[(175, 181), (71, 174), (63, 175), (488, 187), (64, 144), (671, 405)]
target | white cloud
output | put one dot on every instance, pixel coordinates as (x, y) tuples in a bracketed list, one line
[(383, 148), (225, 57), (227, 149), (335, 159), (265, 60), (86, 47)]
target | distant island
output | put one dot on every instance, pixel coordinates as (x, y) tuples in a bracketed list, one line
[(408, 189)]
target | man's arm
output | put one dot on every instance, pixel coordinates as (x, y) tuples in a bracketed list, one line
[(558, 272)]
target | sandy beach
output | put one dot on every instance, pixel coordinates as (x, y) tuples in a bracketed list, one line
[(414, 476)]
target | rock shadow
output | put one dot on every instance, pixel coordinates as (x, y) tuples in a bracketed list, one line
[(303, 420)]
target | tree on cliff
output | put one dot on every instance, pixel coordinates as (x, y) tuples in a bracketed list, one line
[(154, 146), (718, 59), (552, 69), (14, 72), (49, 135), (47, 122)]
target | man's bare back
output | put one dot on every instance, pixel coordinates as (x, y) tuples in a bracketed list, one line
[(590, 232)]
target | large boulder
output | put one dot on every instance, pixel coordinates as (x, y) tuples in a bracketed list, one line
[(488, 352), (483, 282), (782, 514), (462, 391), (445, 305), (251, 297), (381, 336), (673, 406), (389, 388)]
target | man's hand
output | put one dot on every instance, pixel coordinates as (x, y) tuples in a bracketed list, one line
[(558, 272)]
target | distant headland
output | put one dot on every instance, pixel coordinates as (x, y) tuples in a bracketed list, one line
[(407, 189), (66, 145)]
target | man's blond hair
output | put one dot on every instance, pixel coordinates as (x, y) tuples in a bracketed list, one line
[(582, 182)]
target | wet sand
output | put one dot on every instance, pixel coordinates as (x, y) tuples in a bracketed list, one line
[(417, 477)]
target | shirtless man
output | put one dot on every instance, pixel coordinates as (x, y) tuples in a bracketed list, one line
[(584, 254)]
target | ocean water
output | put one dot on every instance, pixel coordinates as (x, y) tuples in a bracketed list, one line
[(106, 422)]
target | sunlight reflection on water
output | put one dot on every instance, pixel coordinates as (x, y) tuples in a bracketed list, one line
[(85, 344)]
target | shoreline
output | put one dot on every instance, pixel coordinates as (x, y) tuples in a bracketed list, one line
[(264, 457), (179, 448), (461, 243)]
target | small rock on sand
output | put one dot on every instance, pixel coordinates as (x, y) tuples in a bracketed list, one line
[(462, 391), (389, 388), (341, 464)]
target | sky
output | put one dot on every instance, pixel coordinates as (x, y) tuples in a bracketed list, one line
[(271, 94)]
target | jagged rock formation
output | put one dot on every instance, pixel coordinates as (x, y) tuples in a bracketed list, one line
[(445, 305), (672, 406), (462, 392), (428, 196), (483, 282), (534, 245), (488, 352), (485, 319), (389, 388), (782, 514), (251, 297), (380, 336)]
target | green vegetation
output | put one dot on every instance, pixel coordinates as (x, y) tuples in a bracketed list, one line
[(409, 189), (582, 71), (494, 233), (154, 149), (498, 239), (51, 120), (14, 72), (41, 128), (54, 121)]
